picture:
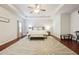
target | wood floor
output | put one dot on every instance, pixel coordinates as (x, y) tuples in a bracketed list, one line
[(71, 44), (6, 45)]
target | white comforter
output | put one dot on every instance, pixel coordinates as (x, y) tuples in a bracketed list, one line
[(37, 32)]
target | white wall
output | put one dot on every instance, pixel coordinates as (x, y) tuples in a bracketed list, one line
[(39, 22), (56, 25), (65, 23), (61, 24), (74, 22), (8, 31)]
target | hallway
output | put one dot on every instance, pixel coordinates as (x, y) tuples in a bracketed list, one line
[(37, 47)]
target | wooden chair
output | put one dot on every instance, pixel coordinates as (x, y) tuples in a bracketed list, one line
[(77, 35), (66, 36)]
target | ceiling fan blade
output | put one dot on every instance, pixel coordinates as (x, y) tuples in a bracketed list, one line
[(30, 7), (42, 9)]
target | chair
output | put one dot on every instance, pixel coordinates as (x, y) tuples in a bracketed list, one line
[(66, 36), (77, 35)]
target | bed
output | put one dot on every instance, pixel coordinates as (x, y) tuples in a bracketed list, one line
[(37, 33)]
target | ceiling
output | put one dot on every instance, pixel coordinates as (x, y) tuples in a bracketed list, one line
[(48, 7), (23, 11), (69, 8)]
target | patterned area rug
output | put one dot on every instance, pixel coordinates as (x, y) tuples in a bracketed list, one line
[(49, 46)]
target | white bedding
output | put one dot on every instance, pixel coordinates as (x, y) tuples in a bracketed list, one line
[(35, 32)]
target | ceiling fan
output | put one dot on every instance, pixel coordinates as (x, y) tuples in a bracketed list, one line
[(36, 8)]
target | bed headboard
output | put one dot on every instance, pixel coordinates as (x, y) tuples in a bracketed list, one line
[(37, 28)]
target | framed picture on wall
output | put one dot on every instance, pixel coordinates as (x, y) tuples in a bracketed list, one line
[(4, 19)]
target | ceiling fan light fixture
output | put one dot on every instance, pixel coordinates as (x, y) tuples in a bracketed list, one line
[(36, 10)]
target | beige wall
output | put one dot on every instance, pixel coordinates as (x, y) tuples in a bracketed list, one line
[(8, 31), (74, 22), (61, 24), (56, 25), (65, 23), (39, 22)]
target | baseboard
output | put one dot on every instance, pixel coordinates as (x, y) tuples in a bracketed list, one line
[(56, 37), (4, 46)]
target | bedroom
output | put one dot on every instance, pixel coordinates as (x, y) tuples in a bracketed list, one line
[(37, 21)]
